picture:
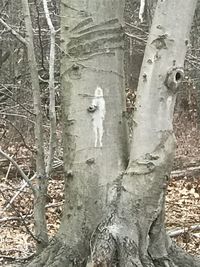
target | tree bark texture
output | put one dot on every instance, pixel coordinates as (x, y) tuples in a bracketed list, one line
[(114, 202)]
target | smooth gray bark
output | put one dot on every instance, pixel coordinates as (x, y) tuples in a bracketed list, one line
[(95, 150), (114, 207)]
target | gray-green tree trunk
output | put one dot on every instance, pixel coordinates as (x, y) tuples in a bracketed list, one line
[(114, 202)]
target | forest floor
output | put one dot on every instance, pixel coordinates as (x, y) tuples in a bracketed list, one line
[(182, 201)]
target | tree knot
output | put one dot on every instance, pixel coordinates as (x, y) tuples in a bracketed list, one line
[(174, 78)]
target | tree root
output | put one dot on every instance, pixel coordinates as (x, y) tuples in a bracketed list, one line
[(58, 254), (114, 247), (110, 248), (181, 259)]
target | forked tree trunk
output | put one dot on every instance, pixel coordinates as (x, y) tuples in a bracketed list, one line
[(114, 208)]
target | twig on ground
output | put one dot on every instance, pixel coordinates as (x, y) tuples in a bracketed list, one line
[(8, 257), (177, 232), (22, 219), (8, 171), (185, 172), (18, 192), (52, 205), (17, 259), (15, 218)]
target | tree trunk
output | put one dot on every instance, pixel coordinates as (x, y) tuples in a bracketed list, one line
[(135, 40), (114, 208), (195, 72), (41, 190)]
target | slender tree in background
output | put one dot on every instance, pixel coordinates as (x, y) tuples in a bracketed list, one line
[(136, 36), (114, 200), (52, 109), (43, 168), (193, 59), (41, 191)]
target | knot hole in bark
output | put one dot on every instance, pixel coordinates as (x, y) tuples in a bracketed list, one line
[(75, 72), (174, 78), (92, 108), (178, 76)]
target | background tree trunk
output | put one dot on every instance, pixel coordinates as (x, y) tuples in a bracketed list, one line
[(114, 208), (41, 192), (195, 72), (135, 39)]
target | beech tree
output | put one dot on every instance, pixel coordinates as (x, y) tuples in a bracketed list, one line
[(115, 188)]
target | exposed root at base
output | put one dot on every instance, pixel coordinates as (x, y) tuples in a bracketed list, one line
[(111, 252), (58, 255), (121, 250)]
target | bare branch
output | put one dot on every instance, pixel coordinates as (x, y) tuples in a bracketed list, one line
[(21, 135), (136, 37), (16, 34), (21, 105), (136, 28), (23, 175), (16, 115)]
